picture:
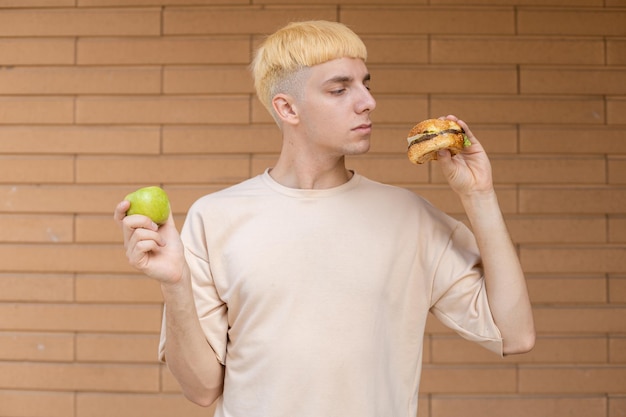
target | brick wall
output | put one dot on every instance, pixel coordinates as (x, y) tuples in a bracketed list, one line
[(99, 97)]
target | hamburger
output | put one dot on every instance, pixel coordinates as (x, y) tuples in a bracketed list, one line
[(432, 135)]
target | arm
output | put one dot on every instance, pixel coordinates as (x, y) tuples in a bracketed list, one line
[(158, 253), (469, 175)]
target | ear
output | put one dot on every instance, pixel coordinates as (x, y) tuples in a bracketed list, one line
[(285, 108)]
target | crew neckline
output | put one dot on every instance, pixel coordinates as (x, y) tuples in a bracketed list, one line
[(309, 192)]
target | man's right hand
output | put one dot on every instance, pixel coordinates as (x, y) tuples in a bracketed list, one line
[(156, 251)]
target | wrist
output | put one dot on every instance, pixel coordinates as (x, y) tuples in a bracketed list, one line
[(178, 283)]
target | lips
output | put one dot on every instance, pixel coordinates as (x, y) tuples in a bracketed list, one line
[(363, 127)]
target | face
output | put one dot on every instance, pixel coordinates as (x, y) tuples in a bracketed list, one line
[(334, 109)]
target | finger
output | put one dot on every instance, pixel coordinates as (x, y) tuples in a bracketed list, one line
[(120, 211), (138, 254), (467, 130), (140, 235)]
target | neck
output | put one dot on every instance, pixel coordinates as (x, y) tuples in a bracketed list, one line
[(294, 174)]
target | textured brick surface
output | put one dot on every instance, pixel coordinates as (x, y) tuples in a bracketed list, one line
[(100, 97)]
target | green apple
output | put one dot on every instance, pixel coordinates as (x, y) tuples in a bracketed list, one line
[(151, 202)]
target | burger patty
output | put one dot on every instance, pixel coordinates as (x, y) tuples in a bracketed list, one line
[(429, 136)]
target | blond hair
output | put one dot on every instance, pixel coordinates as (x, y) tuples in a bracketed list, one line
[(298, 46)]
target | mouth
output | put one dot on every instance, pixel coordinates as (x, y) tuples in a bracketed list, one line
[(365, 127)]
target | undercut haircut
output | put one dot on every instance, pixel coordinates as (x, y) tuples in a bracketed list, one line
[(284, 55)]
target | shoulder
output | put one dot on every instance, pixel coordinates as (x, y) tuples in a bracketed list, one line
[(395, 194)]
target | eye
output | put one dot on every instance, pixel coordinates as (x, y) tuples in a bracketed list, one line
[(337, 91)]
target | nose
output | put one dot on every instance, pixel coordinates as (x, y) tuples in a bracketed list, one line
[(367, 101)]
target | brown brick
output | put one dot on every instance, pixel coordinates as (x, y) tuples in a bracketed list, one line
[(519, 406), (260, 163), (63, 258), (617, 229), (616, 51), (571, 21), (36, 228), (92, 199), (617, 349), (162, 110), (572, 380), (584, 319), (221, 139), (79, 139), (424, 407), (496, 139), (615, 110), (80, 317), (568, 3), (400, 49), (259, 115), (543, 169), (567, 289), (443, 79), (617, 289), (575, 80), (617, 406), (36, 3), (73, 80), (36, 169), (548, 349), (389, 139), (97, 229), (238, 20), (79, 377), (80, 22), (617, 170), (117, 348), (25, 110), (131, 405), (149, 170), (573, 259), (163, 51), (37, 51), (105, 288), (108, 3), (572, 139), (402, 20), (48, 347), (521, 109), (36, 403), (581, 199), (209, 80), (557, 228), (439, 379), (516, 50), (400, 109), (36, 287)]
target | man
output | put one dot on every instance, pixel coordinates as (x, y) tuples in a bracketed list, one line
[(304, 291)]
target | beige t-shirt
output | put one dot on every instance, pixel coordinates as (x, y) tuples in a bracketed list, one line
[(316, 300)]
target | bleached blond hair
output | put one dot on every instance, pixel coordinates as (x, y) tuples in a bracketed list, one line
[(285, 54)]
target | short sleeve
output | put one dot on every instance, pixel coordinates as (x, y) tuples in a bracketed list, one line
[(212, 311), (459, 297)]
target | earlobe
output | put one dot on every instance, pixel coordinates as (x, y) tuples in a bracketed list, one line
[(285, 108)]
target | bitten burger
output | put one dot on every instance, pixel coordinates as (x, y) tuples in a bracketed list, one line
[(429, 136)]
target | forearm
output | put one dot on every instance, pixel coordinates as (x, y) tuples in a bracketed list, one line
[(189, 357), (504, 277)]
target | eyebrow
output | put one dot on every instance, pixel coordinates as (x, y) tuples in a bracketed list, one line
[(345, 78)]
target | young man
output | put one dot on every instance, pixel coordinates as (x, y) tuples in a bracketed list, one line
[(304, 291)]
